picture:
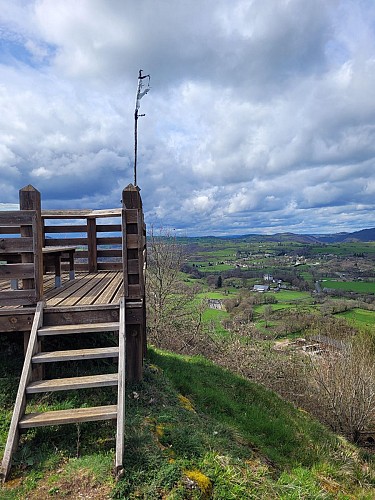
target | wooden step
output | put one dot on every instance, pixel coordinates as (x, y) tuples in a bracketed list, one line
[(84, 328), (65, 384), (76, 355), (68, 416)]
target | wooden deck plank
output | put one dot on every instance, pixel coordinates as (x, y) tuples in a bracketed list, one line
[(94, 293), (4, 284), (72, 292), (76, 297), (72, 416), (108, 295), (119, 292), (106, 289), (57, 294)]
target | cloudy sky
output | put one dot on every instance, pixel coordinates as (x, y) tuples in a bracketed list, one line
[(261, 115)]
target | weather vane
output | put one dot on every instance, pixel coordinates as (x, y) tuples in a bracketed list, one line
[(142, 90)]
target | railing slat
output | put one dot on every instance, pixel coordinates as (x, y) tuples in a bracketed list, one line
[(17, 271), (17, 297), (17, 218), (65, 229), (63, 242), (16, 245)]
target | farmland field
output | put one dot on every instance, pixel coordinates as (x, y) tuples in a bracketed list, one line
[(344, 249), (295, 266), (360, 317), (351, 286), (293, 296)]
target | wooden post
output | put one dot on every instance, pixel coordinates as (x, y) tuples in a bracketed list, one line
[(134, 289), (92, 245), (30, 200)]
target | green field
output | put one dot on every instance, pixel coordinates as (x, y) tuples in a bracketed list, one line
[(344, 249), (351, 286), (215, 268), (293, 296), (212, 295), (360, 317)]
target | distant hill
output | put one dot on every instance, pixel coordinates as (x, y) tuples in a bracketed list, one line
[(364, 235)]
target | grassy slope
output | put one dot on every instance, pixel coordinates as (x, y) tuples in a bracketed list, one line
[(360, 317), (193, 431)]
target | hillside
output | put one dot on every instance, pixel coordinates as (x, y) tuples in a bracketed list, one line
[(193, 431), (362, 235), (365, 235)]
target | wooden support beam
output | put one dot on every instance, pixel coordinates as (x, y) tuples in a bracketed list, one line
[(92, 245), (134, 352)]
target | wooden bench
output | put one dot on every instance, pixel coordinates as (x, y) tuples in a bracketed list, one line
[(52, 259), (54, 256)]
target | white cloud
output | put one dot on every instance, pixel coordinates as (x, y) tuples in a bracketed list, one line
[(261, 114)]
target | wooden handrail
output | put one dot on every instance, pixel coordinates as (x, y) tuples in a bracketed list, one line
[(80, 213)]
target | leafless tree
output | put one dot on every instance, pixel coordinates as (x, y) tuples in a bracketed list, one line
[(267, 313), (345, 383), (170, 301)]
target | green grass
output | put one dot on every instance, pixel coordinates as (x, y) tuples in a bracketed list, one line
[(344, 249), (215, 318), (193, 431), (220, 295), (215, 268), (293, 296), (360, 317), (351, 286)]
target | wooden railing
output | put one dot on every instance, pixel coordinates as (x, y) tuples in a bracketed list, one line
[(99, 244), (105, 240), (21, 257)]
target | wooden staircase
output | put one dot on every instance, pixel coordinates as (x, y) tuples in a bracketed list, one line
[(34, 358)]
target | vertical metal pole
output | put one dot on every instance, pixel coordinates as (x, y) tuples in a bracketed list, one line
[(135, 145), (136, 116)]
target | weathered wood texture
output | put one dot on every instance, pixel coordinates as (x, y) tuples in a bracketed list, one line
[(29, 385), (20, 405), (98, 245), (108, 297), (91, 297), (67, 384), (133, 248), (120, 436), (60, 417), (113, 254), (76, 355), (30, 200), (19, 257)]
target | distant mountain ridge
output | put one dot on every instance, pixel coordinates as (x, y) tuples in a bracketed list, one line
[(365, 235)]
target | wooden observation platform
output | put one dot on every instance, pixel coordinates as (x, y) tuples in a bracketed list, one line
[(73, 272)]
